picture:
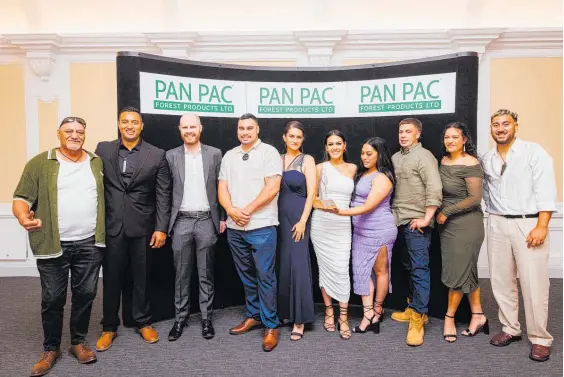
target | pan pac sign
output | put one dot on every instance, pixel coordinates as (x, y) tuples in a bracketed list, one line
[(174, 95)]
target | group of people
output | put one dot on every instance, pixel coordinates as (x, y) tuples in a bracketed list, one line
[(85, 210)]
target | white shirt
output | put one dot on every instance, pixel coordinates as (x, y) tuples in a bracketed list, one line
[(245, 180), (527, 185), (77, 201), (195, 197)]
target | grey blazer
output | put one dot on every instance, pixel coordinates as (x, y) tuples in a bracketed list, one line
[(211, 161)]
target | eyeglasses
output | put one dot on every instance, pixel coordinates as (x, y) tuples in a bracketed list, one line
[(245, 157), (73, 119)]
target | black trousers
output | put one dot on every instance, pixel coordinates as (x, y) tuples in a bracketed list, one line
[(83, 260), (126, 253)]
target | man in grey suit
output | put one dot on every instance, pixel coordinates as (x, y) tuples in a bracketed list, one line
[(195, 222)]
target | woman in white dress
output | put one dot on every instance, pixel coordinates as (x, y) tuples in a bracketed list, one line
[(331, 233)]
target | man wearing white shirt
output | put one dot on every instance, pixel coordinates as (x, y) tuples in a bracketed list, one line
[(196, 220), (520, 197)]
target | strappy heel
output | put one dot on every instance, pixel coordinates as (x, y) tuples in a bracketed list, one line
[(344, 334), (380, 314), (445, 336), (485, 328), (373, 326), (327, 326)]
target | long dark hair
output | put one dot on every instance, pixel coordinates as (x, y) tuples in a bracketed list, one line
[(469, 146), (383, 163), (327, 136)]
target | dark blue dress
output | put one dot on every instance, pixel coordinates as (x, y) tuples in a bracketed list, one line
[(295, 292)]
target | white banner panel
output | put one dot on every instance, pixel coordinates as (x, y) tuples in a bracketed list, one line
[(425, 94)]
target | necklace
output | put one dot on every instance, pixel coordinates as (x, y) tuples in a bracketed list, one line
[(61, 152)]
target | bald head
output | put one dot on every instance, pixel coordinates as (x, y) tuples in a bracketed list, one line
[(190, 119), (190, 129)]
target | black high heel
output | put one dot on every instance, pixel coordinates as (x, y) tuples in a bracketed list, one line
[(344, 334), (373, 326), (329, 327), (445, 336), (485, 328)]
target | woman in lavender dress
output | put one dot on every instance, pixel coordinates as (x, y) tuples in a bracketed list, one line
[(374, 231)]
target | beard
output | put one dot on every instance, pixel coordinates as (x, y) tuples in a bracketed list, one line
[(509, 138)]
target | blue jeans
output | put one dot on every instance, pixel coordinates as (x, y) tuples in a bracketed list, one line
[(416, 262), (254, 254)]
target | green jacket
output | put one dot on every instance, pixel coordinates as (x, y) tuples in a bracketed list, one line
[(38, 187)]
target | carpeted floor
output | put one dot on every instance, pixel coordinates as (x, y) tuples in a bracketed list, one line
[(319, 353)]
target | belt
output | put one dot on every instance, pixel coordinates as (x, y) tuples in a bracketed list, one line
[(195, 214), (521, 216)]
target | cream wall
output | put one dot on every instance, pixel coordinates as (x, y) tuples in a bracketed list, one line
[(71, 16), (532, 87), (93, 97), (12, 128)]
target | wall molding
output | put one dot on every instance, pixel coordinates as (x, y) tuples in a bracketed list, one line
[(312, 48)]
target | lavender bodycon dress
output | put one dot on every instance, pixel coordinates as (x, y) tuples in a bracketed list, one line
[(371, 231)]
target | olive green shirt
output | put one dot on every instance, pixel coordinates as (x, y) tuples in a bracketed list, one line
[(38, 188), (418, 184)]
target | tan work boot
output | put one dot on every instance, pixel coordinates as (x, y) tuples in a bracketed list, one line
[(45, 363), (405, 316), (416, 330)]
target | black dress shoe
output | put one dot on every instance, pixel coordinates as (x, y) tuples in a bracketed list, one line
[(176, 331), (207, 329)]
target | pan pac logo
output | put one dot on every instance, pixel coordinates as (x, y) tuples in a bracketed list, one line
[(175, 95)]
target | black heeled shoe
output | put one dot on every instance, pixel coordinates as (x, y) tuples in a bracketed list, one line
[(344, 334), (327, 326), (373, 326), (445, 336), (485, 328)]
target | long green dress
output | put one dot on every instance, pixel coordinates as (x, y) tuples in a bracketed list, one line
[(463, 232)]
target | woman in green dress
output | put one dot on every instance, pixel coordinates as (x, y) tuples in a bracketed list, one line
[(461, 227)]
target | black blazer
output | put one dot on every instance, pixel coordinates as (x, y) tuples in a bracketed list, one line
[(143, 206)]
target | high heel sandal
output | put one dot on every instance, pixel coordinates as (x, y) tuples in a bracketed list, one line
[(344, 334), (445, 336), (485, 328), (373, 326), (327, 326), (380, 314)]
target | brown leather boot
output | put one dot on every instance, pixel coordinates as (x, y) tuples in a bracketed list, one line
[(149, 334), (270, 340), (45, 363), (83, 354), (247, 325), (106, 340)]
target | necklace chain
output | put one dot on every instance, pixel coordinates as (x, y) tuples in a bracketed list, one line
[(61, 152)]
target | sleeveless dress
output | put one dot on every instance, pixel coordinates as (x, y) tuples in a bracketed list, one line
[(331, 234), (462, 234), (295, 291), (372, 230)]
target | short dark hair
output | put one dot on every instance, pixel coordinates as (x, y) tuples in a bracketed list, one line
[(130, 109), (416, 122), (248, 116)]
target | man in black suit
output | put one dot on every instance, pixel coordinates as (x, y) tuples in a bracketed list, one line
[(196, 220), (137, 193)]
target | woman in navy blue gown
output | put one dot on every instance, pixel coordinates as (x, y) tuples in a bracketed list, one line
[(297, 191)]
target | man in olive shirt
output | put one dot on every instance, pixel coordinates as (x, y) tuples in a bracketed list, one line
[(418, 194), (60, 202)]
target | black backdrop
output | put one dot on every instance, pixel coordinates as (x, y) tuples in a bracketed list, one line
[(161, 130)]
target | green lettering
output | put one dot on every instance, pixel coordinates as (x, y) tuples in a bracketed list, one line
[(287, 95), (407, 89), (203, 91), (324, 93), (419, 91), (171, 92), (304, 93), (376, 94), (160, 87), (223, 98), (364, 93), (264, 94), (429, 89), (188, 92), (315, 97), (389, 94), (214, 96)]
